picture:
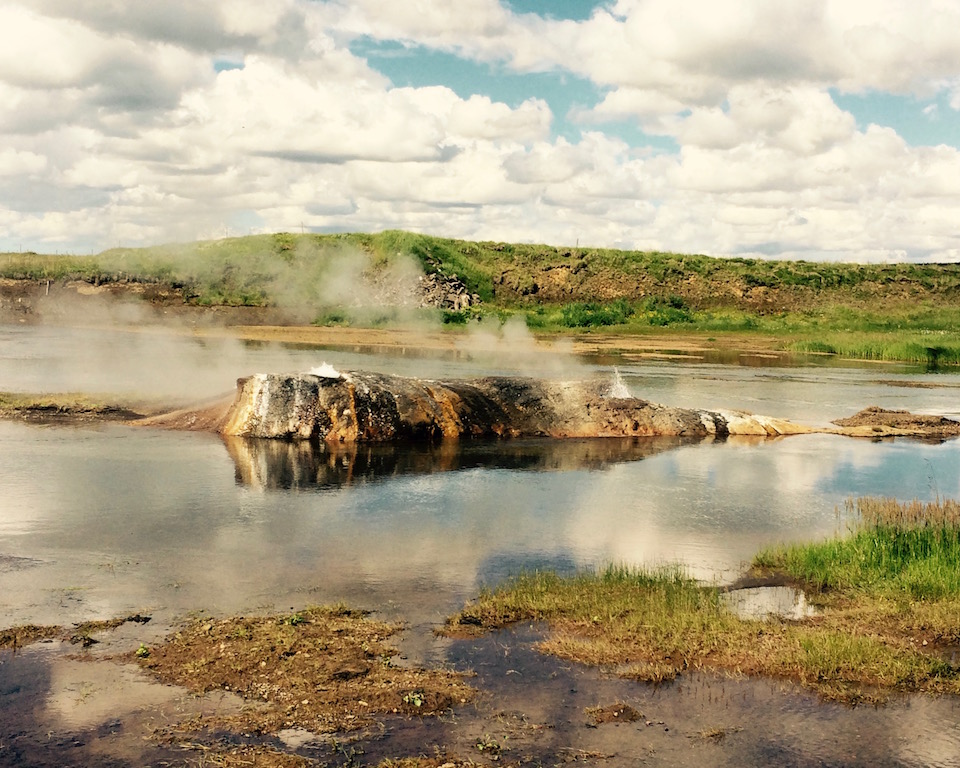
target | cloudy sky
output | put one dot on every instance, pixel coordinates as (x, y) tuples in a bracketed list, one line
[(818, 129)]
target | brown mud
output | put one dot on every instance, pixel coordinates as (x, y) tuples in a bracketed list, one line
[(880, 420), (83, 633), (324, 670), (530, 710)]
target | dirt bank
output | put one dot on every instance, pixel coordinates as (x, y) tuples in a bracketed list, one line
[(133, 305), (76, 302), (70, 408), (878, 420)]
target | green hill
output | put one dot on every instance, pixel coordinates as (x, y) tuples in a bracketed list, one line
[(821, 306)]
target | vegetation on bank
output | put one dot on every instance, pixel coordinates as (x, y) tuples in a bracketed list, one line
[(64, 407), (894, 551), (875, 311), (324, 669), (887, 598)]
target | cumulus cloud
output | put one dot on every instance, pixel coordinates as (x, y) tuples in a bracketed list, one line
[(135, 123), (14, 163)]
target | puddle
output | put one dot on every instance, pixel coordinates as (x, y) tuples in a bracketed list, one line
[(61, 708), (762, 603), (539, 710), (532, 709)]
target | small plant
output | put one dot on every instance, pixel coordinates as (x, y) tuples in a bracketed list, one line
[(488, 745), (594, 314), (142, 652), (415, 699), (455, 316)]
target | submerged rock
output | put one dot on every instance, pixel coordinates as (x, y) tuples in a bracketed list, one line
[(353, 407)]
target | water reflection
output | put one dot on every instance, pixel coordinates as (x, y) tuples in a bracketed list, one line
[(288, 465), (762, 603), (106, 521), (115, 520)]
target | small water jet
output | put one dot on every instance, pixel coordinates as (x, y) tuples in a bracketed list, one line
[(619, 388)]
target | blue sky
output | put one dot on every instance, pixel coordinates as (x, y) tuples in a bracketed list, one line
[(920, 121), (821, 130), (417, 67)]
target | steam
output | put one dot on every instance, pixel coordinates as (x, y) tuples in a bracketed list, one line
[(346, 284), (513, 349), (152, 351)]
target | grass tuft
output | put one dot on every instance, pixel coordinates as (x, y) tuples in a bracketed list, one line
[(888, 599), (894, 548)]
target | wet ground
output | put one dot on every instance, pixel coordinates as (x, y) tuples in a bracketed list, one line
[(58, 708)]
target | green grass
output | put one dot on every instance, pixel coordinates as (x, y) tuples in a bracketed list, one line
[(506, 273), (928, 335), (33, 266), (888, 596), (812, 307), (894, 550)]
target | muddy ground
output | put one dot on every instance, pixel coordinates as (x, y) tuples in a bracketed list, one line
[(879, 419), (496, 702)]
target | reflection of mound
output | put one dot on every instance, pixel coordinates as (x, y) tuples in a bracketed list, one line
[(272, 464)]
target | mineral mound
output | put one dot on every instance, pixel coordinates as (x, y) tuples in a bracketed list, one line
[(348, 407)]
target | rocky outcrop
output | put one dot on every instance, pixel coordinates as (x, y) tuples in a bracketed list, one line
[(442, 292), (875, 421), (354, 407)]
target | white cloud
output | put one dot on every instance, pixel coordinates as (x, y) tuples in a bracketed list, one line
[(40, 52), (120, 129), (479, 24), (14, 163)]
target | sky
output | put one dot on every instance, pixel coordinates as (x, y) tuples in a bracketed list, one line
[(796, 129)]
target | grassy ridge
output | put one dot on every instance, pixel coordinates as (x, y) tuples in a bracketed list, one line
[(883, 312), (888, 597), (511, 275)]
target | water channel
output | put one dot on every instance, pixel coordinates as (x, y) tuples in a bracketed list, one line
[(106, 520)]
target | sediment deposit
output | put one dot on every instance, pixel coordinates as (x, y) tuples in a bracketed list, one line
[(348, 407)]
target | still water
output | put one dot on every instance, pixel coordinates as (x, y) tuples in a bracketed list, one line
[(98, 520), (107, 520)]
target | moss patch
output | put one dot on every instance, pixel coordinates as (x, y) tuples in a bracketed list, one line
[(17, 637), (322, 669)]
